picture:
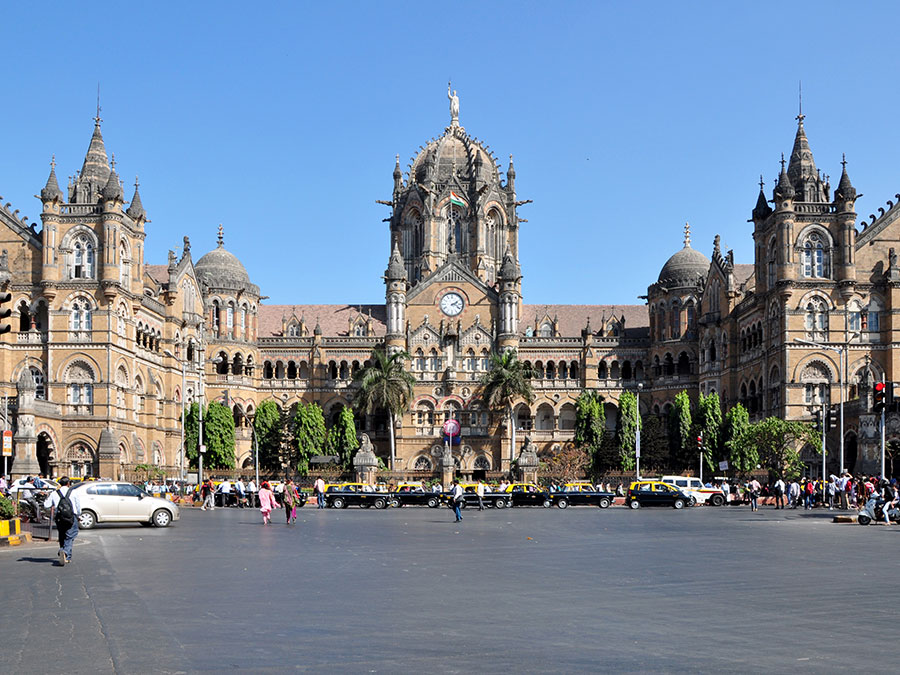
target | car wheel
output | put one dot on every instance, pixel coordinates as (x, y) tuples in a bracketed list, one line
[(604, 503), (547, 504), (380, 503), (161, 518), (692, 501), (433, 502), (563, 503), (301, 502), (863, 519), (500, 504), (87, 520), (395, 503), (717, 500), (635, 504), (678, 504), (338, 503)]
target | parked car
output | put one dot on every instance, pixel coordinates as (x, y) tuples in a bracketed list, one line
[(695, 489), (527, 494), (120, 502), (414, 495), (354, 494), (582, 494), (655, 493)]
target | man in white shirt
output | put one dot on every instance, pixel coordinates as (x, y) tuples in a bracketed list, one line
[(480, 492), (251, 493), (320, 493), (239, 492), (457, 500), (67, 531), (225, 489)]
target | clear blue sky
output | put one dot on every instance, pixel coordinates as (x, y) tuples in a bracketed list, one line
[(281, 121)]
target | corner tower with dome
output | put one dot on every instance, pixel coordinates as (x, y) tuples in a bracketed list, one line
[(106, 348)]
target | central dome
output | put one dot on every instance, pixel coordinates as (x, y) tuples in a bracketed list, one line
[(684, 266), (454, 149)]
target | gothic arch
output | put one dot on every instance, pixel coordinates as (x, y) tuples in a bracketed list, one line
[(823, 360)]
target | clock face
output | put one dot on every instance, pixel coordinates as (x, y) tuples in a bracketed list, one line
[(452, 304)]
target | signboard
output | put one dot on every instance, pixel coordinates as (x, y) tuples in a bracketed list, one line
[(7, 443), (723, 466), (451, 428), (203, 449)]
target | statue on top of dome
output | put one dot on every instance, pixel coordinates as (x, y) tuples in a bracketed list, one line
[(454, 106)]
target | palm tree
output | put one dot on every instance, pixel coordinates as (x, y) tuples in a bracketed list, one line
[(507, 380), (384, 383)]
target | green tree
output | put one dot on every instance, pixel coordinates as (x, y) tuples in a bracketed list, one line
[(590, 426), (309, 434), (709, 414), (218, 434), (342, 440), (268, 428), (626, 430), (681, 439), (192, 433), (778, 443), (654, 443), (505, 381), (384, 383), (742, 455)]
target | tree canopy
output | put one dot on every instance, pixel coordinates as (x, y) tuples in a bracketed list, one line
[(506, 380), (342, 439), (309, 435), (384, 383), (268, 426), (590, 428), (779, 442), (742, 455), (626, 429), (709, 422)]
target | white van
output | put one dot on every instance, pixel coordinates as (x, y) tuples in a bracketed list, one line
[(693, 488)]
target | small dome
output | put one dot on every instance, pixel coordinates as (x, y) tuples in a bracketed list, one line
[(454, 148), (684, 266), (221, 269)]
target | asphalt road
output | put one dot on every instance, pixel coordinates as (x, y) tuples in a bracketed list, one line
[(531, 590)]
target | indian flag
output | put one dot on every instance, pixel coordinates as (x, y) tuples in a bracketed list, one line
[(456, 200)]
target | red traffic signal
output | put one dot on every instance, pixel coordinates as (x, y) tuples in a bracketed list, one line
[(879, 397), (700, 441)]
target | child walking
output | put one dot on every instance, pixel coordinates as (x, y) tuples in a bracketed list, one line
[(267, 502)]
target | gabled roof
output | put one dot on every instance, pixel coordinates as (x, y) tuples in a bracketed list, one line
[(573, 318), (454, 271), (333, 319)]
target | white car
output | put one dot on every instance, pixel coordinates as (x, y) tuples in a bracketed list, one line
[(25, 486), (694, 489), (120, 502)]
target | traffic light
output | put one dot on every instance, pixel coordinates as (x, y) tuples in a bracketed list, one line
[(817, 419), (5, 312), (700, 442), (879, 397), (833, 416)]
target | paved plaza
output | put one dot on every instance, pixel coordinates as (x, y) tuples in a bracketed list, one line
[(532, 590)]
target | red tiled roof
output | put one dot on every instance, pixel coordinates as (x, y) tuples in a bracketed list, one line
[(159, 273), (333, 319), (743, 272)]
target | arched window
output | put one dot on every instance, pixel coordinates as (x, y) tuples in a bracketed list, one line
[(38, 377), (545, 417), (817, 320), (80, 315), (423, 463), (80, 388), (268, 371), (82, 258), (567, 417), (816, 380), (215, 316), (24, 317), (771, 265), (229, 318), (424, 414), (124, 265), (457, 229), (816, 256), (872, 323), (546, 329)]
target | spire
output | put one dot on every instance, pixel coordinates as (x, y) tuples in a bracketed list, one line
[(784, 189), (112, 189), (762, 210), (221, 237), (845, 191), (95, 170), (51, 190), (318, 329), (802, 170), (509, 270), (511, 175), (136, 208), (396, 270), (687, 235), (398, 174)]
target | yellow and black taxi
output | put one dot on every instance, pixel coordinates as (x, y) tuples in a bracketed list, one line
[(414, 494), (527, 494), (491, 499), (342, 495), (655, 493), (582, 494)]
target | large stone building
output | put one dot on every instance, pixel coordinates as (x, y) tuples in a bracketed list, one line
[(105, 347)]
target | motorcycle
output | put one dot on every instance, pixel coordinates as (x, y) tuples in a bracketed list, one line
[(874, 510)]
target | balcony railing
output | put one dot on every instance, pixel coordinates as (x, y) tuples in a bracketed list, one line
[(31, 337), (80, 336)]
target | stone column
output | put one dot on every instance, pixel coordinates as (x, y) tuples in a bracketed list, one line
[(25, 439), (448, 467), (528, 462), (365, 462)]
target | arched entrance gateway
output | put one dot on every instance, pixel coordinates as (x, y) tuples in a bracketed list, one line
[(79, 462), (45, 455)]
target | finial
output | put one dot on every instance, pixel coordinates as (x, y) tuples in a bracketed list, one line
[(844, 161), (53, 161), (782, 161), (137, 183), (687, 235), (221, 236), (800, 116), (762, 183), (112, 162), (187, 244), (97, 119)]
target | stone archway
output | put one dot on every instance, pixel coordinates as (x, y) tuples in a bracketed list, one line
[(45, 453), (851, 449)]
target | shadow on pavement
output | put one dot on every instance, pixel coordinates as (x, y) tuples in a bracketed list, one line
[(32, 559)]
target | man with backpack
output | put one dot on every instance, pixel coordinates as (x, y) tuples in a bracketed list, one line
[(67, 503)]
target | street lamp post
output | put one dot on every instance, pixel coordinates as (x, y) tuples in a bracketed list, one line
[(183, 378), (200, 385), (637, 431)]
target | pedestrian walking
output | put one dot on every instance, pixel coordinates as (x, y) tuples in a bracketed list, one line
[(68, 509), (267, 502), (753, 488), (289, 502), (319, 489), (207, 492), (239, 492), (251, 493), (479, 490), (457, 500), (794, 494), (778, 489), (809, 493)]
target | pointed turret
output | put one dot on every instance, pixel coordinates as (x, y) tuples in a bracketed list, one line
[(95, 170), (802, 170), (398, 175), (762, 210), (51, 191), (845, 191), (318, 329), (112, 189), (136, 208), (511, 175), (509, 270), (784, 189), (396, 270)]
